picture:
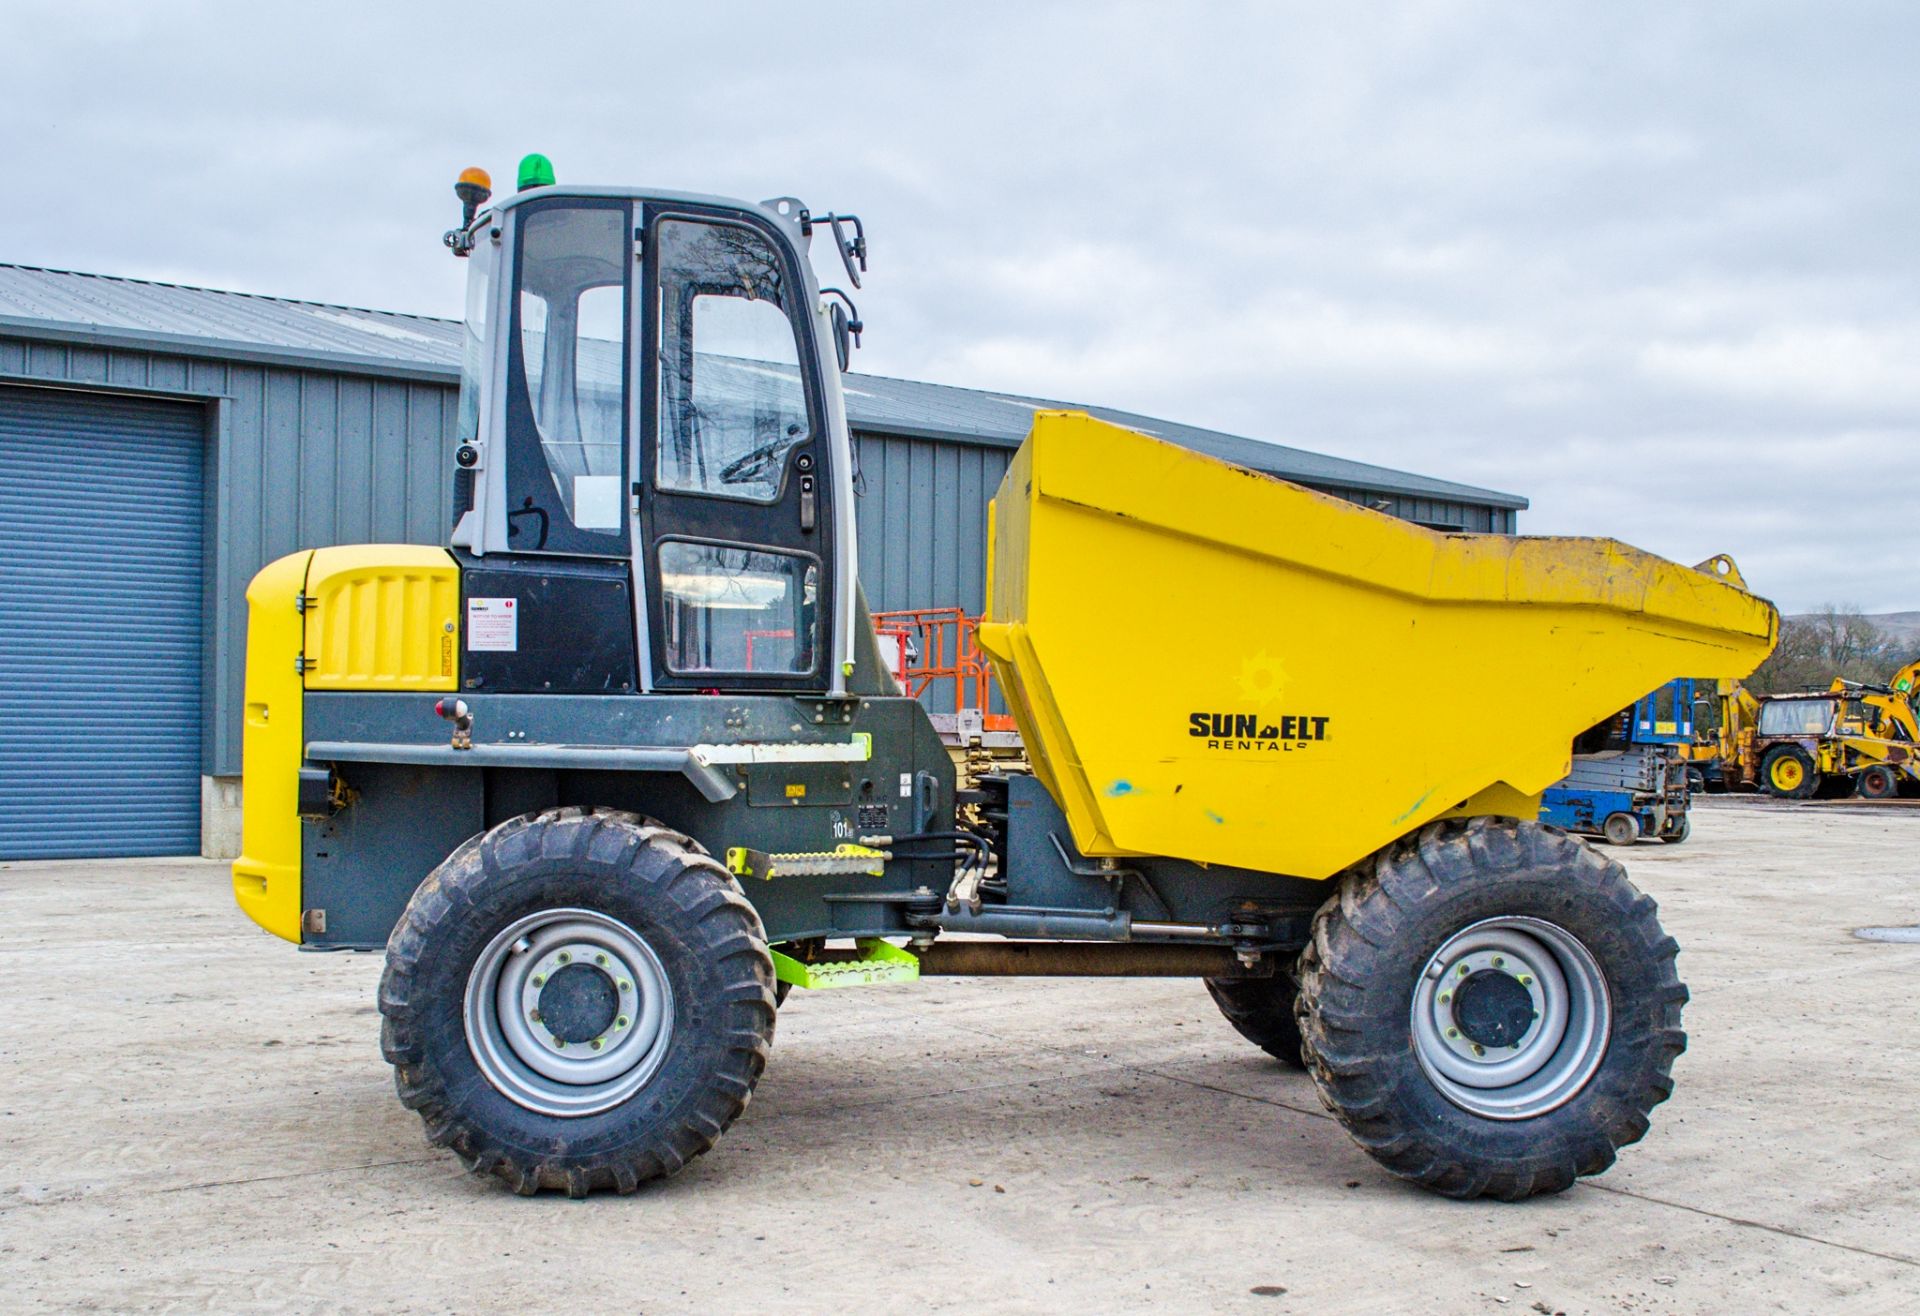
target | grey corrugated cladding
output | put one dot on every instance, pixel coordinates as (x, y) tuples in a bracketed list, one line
[(329, 424), (283, 444)]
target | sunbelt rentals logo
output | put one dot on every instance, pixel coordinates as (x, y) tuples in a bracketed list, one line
[(1254, 726)]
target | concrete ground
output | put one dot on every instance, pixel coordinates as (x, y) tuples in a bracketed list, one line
[(194, 1116)]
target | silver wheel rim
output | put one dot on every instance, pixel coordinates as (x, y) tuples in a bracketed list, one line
[(529, 1063), (1548, 1064)]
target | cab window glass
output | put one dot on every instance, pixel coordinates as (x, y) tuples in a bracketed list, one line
[(733, 609), (473, 352), (733, 406), (566, 483), (1795, 717)]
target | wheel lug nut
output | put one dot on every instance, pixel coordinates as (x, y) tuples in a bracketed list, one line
[(599, 959), (621, 1022), (625, 986), (597, 1044), (1445, 997), (539, 980), (1453, 1032), (1526, 980), (1464, 970), (533, 1016), (565, 958), (1478, 1049), (562, 1045), (1499, 960)]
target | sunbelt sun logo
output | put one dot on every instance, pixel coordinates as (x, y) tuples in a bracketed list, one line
[(1255, 725)]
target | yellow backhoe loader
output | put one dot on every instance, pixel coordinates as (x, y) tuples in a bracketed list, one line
[(1853, 738)]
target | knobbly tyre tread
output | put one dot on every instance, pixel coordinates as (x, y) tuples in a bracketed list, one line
[(1372, 939), (711, 919), (1261, 1010)]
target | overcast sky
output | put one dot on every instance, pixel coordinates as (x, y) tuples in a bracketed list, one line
[(1652, 266)]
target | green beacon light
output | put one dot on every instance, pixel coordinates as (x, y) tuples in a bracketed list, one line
[(536, 171)]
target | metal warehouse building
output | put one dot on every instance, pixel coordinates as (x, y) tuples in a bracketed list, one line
[(159, 443)]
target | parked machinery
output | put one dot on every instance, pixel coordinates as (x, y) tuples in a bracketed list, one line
[(621, 765), (1851, 738), (1628, 780)]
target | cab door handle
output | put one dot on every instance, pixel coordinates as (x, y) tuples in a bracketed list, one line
[(809, 505)]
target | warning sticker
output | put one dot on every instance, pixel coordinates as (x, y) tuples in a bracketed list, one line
[(493, 625)]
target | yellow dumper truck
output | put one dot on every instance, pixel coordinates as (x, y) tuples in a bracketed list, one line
[(618, 768)]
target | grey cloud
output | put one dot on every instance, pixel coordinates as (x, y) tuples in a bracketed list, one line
[(1648, 264)]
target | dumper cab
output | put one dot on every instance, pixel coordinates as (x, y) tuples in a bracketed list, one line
[(650, 393)]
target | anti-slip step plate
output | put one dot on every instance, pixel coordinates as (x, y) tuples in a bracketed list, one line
[(845, 860), (874, 962)]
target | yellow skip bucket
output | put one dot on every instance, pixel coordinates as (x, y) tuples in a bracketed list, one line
[(1212, 664)]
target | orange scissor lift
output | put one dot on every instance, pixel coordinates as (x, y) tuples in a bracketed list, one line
[(935, 655)]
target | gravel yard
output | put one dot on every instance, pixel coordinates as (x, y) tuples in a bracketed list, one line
[(195, 1117)]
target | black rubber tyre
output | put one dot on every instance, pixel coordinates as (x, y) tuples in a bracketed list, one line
[(1678, 832), (1787, 773), (1877, 783), (1620, 829), (661, 886), (1371, 948), (1261, 1010), (1834, 786), (1696, 782)]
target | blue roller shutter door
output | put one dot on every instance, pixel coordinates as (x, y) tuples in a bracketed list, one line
[(101, 549)]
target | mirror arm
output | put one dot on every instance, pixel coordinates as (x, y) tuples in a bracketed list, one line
[(853, 252)]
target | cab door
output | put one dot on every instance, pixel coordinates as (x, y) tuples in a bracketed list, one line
[(736, 544)]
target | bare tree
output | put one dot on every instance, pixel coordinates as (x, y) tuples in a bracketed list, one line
[(1834, 641)]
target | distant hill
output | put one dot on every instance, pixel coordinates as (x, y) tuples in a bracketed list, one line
[(1901, 626), (1905, 625)]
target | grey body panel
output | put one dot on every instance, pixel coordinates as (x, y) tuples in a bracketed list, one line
[(1045, 871), (361, 866), (405, 817), (713, 784)]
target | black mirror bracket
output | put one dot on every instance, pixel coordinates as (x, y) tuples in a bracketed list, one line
[(853, 251)]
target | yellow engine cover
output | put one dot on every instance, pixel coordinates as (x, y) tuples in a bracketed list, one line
[(364, 617), (1216, 665), (382, 617)]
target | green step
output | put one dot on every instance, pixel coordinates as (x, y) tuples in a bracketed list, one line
[(845, 860), (874, 962)]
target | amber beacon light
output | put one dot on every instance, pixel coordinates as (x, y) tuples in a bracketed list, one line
[(473, 187)]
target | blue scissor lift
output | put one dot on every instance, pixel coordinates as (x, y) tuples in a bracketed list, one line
[(1628, 780)]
